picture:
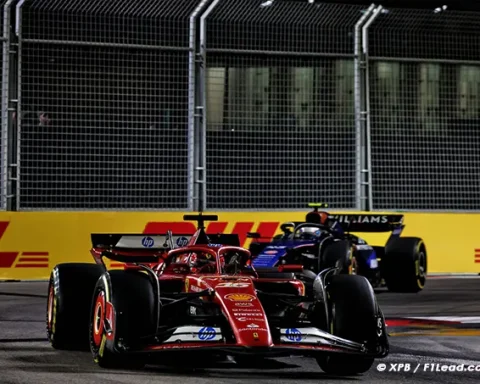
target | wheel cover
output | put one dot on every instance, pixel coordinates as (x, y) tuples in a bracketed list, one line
[(98, 319), (353, 266), (421, 265), (421, 269), (51, 300)]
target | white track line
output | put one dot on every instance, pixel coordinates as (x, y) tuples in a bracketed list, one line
[(444, 360), (458, 319)]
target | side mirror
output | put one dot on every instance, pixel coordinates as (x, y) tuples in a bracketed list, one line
[(287, 227)]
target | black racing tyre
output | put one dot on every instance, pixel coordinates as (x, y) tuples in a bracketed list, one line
[(122, 314), (70, 292), (354, 317), (404, 265), (336, 254)]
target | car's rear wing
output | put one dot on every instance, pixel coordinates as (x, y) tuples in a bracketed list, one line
[(369, 222), (141, 248), (135, 248), (134, 242)]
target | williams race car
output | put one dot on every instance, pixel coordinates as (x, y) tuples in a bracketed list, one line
[(204, 300), (401, 264)]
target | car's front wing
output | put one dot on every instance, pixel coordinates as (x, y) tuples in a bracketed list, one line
[(292, 341)]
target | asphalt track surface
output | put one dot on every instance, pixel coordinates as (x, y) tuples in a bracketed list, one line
[(26, 356)]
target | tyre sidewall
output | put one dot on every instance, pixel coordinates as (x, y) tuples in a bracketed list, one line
[(353, 314), (130, 295), (402, 269), (337, 254), (70, 287)]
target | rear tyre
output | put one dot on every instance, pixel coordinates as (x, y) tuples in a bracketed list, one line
[(121, 318), (404, 265), (70, 292), (353, 312)]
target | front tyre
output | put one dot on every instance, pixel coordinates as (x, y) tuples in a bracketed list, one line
[(121, 317), (354, 317), (70, 291)]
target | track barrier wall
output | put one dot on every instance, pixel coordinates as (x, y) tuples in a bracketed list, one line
[(32, 243)]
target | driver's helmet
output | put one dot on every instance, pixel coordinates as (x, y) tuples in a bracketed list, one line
[(202, 260), (309, 233), (317, 217)]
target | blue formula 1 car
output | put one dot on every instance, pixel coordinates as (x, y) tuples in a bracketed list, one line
[(324, 240)]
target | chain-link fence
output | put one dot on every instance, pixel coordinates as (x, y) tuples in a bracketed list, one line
[(425, 109), (280, 111), (104, 104), (238, 104)]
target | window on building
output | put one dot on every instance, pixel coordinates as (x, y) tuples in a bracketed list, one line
[(429, 97), (215, 97), (344, 75), (387, 92), (468, 91)]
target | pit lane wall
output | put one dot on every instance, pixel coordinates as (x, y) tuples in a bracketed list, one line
[(32, 243)]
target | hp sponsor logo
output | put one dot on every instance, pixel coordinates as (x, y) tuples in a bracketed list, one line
[(182, 241), (207, 333), (148, 242), (293, 334)]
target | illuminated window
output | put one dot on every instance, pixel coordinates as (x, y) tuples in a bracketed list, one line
[(215, 97), (388, 86), (303, 85), (247, 97), (429, 96), (345, 87), (468, 90)]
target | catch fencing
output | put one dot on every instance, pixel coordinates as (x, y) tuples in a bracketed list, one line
[(238, 105)]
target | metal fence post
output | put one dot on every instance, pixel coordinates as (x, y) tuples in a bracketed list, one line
[(192, 109), (202, 109), (368, 139), (6, 192), (359, 90), (16, 144)]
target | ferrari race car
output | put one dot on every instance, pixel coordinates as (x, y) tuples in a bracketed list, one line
[(401, 264), (204, 300)]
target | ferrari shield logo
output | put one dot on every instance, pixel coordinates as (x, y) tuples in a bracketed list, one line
[(255, 335), (187, 285), (240, 297)]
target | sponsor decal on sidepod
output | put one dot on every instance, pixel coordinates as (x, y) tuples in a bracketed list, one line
[(242, 297)]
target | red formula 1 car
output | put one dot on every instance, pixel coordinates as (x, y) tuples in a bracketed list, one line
[(187, 295)]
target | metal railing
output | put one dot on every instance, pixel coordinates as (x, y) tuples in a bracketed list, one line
[(238, 105)]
